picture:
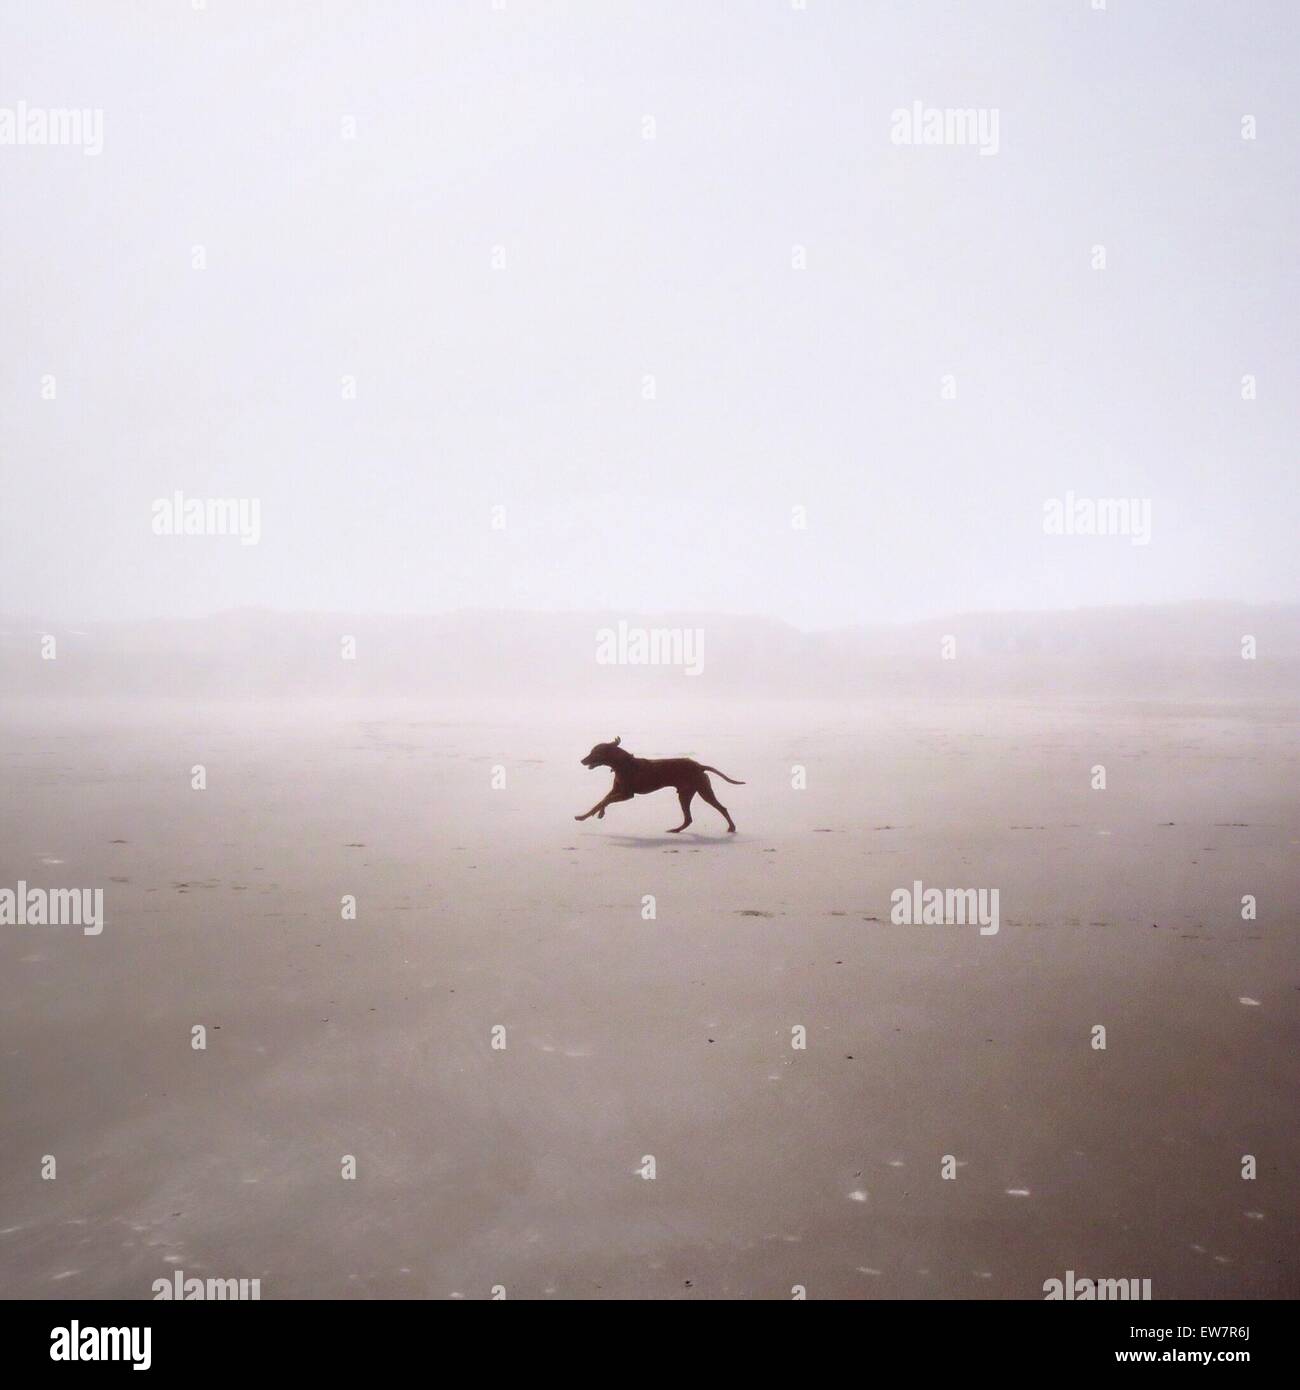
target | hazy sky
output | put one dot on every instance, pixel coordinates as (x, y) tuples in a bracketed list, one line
[(523, 386)]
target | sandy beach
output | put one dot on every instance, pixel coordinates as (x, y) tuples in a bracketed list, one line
[(482, 908)]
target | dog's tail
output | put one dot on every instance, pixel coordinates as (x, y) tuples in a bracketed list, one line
[(735, 782)]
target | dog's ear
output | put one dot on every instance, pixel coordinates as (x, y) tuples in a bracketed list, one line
[(618, 740)]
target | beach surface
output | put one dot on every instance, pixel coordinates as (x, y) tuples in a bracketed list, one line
[(503, 1037)]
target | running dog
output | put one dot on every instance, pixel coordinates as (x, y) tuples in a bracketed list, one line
[(637, 776)]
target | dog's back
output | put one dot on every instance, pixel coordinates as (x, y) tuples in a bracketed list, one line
[(667, 772)]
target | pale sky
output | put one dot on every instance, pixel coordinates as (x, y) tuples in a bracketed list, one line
[(625, 257)]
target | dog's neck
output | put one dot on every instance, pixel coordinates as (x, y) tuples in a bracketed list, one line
[(620, 758)]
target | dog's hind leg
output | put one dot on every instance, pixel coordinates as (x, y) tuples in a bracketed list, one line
[(706, 791), (684, 795)]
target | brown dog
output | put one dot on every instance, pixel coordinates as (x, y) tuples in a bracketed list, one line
[(637, 776)]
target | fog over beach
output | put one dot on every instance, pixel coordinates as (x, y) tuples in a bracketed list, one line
[(1159, 650)]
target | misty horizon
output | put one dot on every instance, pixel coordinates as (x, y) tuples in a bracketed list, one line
[(1201, 650), (1117, 608)]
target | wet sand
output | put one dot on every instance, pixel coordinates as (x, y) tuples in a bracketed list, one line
[(480, 908)]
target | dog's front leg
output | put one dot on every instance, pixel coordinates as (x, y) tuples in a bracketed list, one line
[(597, 809)]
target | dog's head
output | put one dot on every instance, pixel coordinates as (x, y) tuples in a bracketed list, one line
[(603, 754)]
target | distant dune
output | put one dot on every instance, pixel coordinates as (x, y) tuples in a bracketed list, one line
[(1179, 650)]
